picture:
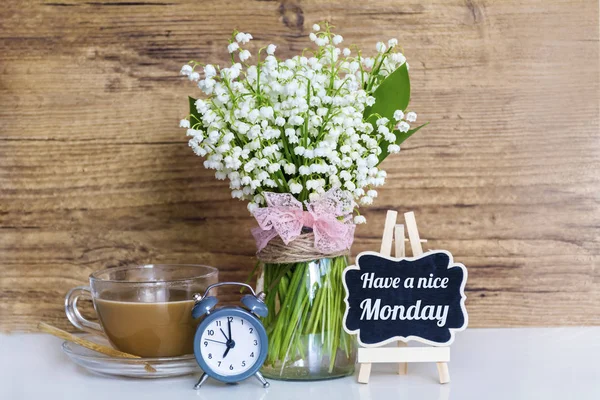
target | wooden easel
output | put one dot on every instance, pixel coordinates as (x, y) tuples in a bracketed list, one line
[(402, 354)]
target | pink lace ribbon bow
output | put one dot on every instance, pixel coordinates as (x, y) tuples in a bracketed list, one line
[(284, 216)]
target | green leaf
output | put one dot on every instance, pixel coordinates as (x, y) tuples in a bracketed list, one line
[(393, 94), (194, 114), (400, 138)]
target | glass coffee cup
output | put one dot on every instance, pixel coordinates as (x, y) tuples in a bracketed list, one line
[(143, 310)]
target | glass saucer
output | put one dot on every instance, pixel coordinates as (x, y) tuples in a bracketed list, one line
[(149, 368)]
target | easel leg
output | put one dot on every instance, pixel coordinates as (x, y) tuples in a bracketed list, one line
[(364, 372), (402, 366), (443, 372), (417, 250), (400, 252)]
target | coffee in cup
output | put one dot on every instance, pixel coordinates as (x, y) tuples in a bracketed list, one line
[(144, 310)]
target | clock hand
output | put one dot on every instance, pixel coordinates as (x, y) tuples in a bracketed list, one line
[(224, 334), (230, 343), (226, 351), (216, 341)]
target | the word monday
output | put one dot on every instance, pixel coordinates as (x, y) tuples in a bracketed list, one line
[(373, 310)]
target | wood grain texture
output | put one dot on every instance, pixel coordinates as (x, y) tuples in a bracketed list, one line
[(94, 171)]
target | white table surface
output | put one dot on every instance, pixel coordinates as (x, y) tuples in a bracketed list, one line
[(507, 364)]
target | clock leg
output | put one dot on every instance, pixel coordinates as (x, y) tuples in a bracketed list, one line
[(262, 380), (202, 379)]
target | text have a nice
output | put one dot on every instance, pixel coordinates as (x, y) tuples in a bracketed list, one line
[(370, 281)]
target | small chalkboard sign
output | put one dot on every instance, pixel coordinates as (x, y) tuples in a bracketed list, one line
[(420, 298), (401, 299)]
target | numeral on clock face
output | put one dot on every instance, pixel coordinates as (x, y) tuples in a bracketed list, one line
[(230, 345)]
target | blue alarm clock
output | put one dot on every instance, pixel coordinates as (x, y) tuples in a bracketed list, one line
[(231, 343)]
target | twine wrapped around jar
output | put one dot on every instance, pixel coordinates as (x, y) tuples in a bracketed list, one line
[(301, 249)]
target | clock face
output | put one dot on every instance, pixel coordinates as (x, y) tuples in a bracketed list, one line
[(230, 345)]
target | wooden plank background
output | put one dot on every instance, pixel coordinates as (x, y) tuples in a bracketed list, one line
[(94, 171)]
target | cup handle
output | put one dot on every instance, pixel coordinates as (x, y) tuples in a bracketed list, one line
[(73, 313)]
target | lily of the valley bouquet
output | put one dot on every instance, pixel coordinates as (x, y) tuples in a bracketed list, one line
[(302, 140)]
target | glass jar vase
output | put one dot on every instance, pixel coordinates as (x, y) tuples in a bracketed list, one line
[(306, 304)]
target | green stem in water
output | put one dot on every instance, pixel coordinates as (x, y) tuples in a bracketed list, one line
[(305, 302)]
